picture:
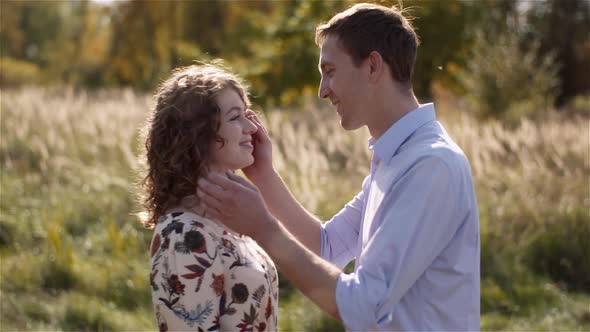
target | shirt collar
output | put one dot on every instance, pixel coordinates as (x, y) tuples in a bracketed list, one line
[(387, 145)]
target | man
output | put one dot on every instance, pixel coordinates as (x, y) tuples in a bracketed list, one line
[(413, 228)]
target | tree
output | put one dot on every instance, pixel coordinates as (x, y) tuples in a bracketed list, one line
[(562, 28), (508, 81), (446, 30), (27, 27), (286, 55), (142, 43)]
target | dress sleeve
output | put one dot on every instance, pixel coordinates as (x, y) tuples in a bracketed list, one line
[(340, 234), (192, 279), (246, 303)]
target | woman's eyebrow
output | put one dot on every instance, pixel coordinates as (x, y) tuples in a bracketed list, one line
[(234, 108)]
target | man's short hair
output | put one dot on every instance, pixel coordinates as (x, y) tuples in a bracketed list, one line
[(364, 28)]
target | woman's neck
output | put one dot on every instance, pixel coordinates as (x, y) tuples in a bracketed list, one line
[(219, 169), (192, 203)]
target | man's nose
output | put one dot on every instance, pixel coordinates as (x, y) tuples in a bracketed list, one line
[(324, 91)]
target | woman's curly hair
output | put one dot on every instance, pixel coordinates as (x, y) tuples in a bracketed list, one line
[(179, 134)]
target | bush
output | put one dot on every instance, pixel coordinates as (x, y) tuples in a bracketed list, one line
[(79, 315), (579, 105), (503, 80), (17, 72), (561, 252), (57, 276), (7, 231)]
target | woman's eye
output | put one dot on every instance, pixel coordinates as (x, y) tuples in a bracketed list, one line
[(235, 118)]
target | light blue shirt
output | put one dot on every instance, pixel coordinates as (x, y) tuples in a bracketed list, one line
[(414, 232)]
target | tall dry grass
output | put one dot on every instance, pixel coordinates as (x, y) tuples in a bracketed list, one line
[(73, 256)]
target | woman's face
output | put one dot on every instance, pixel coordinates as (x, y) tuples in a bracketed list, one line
[(236, 130)]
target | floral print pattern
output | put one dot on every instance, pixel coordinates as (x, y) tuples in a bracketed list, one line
[(204, 278)]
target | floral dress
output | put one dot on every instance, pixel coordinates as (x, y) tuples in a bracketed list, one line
[(204, 278)]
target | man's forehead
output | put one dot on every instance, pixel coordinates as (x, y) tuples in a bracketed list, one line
[(329, 49), (330, 43), (332, 52)]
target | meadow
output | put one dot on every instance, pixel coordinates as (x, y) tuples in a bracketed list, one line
[(74, 257)]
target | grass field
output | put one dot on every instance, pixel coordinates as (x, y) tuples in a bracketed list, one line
[(74, 258)]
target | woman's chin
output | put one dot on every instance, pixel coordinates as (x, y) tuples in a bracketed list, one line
[(249, 162), (245, 163)]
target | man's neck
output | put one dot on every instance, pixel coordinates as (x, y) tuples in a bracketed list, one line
[(389, 109)]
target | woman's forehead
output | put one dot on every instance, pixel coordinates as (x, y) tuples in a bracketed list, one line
[(228, 99)]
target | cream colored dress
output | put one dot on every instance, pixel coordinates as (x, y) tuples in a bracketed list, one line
[(204, 278)]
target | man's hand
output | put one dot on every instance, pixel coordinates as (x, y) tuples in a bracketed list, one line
[(262, 165), (236, 203)]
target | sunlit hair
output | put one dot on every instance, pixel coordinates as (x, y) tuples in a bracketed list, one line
[(364, 28), (179, 134)]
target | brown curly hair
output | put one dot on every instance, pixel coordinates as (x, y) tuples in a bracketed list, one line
[(179, 134)]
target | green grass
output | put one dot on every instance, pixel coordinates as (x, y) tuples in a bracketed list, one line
[(73, 257)]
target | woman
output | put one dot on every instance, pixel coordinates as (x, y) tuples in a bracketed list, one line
[(204, 277)]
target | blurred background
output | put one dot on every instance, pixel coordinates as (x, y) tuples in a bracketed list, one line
[(510, 80)]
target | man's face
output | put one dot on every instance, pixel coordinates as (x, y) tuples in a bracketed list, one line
[(345, 84)]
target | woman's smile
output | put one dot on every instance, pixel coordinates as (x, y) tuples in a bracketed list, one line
[(247, 144)]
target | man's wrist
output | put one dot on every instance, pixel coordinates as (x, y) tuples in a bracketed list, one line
[(265, 179), (268, 233)]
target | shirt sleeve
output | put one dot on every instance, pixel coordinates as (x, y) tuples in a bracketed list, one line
[(339, 236), (418, 220), (192, 280)]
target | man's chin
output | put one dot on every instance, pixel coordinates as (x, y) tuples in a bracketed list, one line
[(347, 125)]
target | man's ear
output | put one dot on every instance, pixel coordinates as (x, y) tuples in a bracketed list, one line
[(376, 66)]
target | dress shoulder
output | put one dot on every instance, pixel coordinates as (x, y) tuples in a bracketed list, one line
[(206, 277), (186, 270)]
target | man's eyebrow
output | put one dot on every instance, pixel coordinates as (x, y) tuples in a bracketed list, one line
[(324, 64)]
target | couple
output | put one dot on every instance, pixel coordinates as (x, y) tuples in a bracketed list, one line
[(413, 228)]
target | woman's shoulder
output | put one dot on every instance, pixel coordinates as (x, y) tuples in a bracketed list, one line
[(184, 232), (181, 222)]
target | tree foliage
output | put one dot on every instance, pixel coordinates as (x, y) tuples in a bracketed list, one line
[(508, 81), (136, 43), (563, 28)]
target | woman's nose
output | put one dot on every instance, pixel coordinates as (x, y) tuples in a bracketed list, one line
[(250, 127)]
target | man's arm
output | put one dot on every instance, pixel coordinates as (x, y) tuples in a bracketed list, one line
[(313, 276), (239, 205), (282, 204), (418, 223)]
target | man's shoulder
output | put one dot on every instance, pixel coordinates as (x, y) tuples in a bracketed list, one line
[(432, 142), (431, 151)]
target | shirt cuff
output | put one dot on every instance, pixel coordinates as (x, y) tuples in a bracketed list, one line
[(354, 311), (323, 241)]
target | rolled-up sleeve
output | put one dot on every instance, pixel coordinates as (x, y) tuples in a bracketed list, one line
[(416, 222), (339, 236)]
